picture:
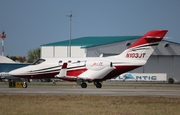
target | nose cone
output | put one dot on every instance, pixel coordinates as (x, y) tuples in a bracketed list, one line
[(17, 72), (14, 72)]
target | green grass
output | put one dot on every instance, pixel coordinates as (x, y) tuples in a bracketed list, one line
[(88, 105)]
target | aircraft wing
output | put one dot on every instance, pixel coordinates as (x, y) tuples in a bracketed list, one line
[(95, 70), (63, 72)]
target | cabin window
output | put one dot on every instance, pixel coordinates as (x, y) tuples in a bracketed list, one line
[(78, 61), (39, 61), (60, 62), (69, 61)]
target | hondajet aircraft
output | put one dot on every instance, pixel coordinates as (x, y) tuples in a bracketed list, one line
[(95, 69)]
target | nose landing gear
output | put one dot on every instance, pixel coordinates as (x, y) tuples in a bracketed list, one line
[(24, 85)]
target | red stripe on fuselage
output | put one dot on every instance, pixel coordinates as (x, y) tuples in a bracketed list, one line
[(38, 76), (119, 70), (76, 72)]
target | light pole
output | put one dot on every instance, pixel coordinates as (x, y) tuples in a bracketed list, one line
[(3, 36), (70, 16)]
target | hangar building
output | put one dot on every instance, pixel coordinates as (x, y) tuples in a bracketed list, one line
[(165, 58)]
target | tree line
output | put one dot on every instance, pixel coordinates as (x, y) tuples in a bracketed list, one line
[(32, 56)]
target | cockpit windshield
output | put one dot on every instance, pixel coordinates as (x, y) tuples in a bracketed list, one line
[(38, 61)]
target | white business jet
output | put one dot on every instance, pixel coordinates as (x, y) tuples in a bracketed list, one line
[(96, 69)]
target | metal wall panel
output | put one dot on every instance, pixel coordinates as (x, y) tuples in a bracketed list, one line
[(167, 48), (152, 65), (47, 51), (76, 51), (60, 51), (176, 68), (138, 70), (114, 48), (165, 65)]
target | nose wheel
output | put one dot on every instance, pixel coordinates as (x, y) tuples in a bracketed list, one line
[(24, 85)]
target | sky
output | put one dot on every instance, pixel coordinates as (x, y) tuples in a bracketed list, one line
[(28, 24)]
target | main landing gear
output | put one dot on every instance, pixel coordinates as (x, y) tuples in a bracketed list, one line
[(97, 84), (84, 85)]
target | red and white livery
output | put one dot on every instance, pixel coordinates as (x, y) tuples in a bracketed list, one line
[(96, 70)]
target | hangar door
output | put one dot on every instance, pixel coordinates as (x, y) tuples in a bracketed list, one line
[(152, 65), (176, 70), (165, 65)]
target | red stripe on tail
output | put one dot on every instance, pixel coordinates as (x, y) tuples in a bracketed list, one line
[(157, 34)]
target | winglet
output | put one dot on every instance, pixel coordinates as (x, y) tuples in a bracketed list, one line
[(63, 71), (64, 66)]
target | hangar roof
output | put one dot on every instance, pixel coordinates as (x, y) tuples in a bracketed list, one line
[(86, 42), (4, 59)]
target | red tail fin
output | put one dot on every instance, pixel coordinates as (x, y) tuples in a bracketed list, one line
[(150, 37), (144, 46)]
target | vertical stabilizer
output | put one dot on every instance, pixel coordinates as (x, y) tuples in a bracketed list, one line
[(143, 47)]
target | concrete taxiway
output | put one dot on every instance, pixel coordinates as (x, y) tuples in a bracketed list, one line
[(91, 90)]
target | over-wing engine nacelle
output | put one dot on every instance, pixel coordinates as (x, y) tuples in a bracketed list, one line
[(97, 69), (98, 65)]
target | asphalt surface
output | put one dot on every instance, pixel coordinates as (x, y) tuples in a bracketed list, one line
[(92, 90)]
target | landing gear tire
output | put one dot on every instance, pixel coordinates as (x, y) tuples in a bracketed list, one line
[(83, 85), (98, 85), (24, 85)]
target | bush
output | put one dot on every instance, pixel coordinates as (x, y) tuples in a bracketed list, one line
[(170, 80)]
